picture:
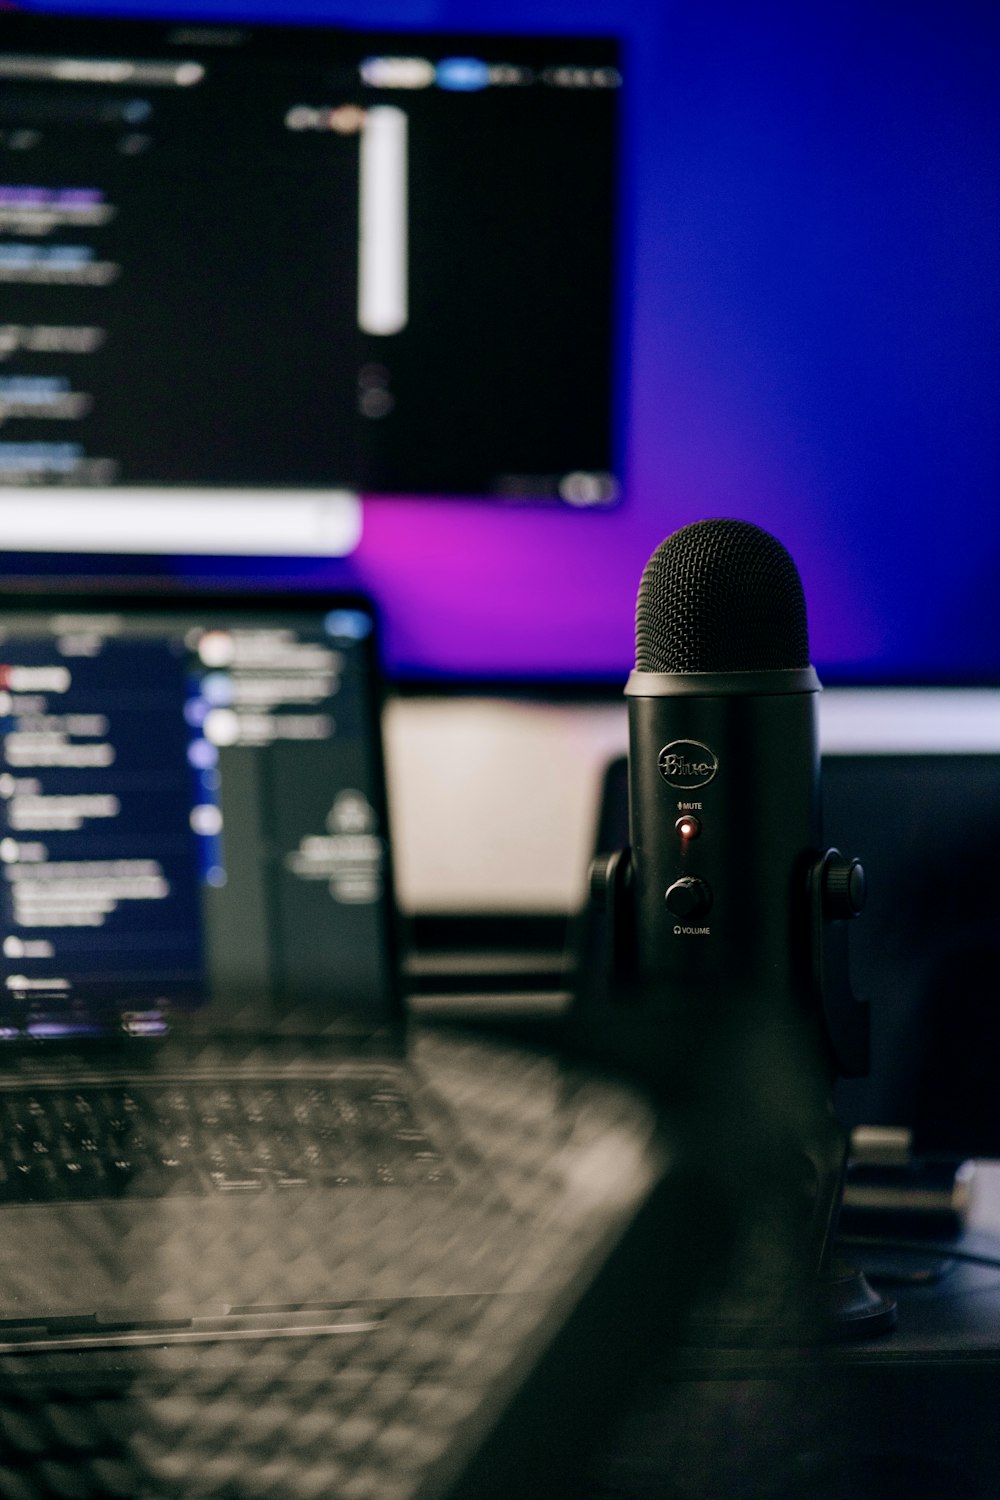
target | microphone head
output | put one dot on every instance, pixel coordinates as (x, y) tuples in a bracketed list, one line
[(720, 596)]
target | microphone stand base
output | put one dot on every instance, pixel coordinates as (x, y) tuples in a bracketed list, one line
[(840, 1307), (854, 1308)]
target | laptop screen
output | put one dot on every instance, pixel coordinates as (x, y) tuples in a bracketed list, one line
[(192, 816)]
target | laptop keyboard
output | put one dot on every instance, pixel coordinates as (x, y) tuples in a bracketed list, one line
[(58, 1144)]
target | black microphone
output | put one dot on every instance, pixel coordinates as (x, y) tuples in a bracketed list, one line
[(724, 801), (717, 964)]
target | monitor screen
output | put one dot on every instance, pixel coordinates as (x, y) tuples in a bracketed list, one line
[(470, 304), (192, 815), (256, 260)]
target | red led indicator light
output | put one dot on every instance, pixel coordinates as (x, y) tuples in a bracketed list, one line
[(687, 827)]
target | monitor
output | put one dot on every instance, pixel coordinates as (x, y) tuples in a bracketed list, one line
[(704, 263)]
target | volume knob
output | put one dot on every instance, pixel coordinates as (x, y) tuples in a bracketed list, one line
[(688, 898)]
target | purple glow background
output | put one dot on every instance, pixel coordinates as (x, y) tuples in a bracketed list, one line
[(809, 307)]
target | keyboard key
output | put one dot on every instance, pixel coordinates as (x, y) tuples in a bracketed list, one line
[(206, 1137)]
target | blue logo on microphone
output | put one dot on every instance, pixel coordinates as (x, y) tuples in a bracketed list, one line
[(687, 764)]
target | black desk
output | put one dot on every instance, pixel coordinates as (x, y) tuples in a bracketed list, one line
[(912, 1414)]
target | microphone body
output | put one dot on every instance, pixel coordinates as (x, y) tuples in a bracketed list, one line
[(724, 819)]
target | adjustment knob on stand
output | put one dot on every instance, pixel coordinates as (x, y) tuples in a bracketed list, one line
[(844, 888)]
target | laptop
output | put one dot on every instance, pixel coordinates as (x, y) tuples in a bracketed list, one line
[(201, 1013), (232, 1180)]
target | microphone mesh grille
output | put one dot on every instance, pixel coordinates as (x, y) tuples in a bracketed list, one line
[(720, 596)]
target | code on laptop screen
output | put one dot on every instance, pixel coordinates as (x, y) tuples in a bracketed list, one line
[(191, 811)]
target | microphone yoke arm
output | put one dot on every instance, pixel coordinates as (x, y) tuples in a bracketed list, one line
[(835, 896)]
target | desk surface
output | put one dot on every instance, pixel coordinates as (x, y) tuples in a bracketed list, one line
[(911, 1414)]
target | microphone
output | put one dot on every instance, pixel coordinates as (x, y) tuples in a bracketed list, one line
[(724, 805), (732, 904), (717, 961)]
